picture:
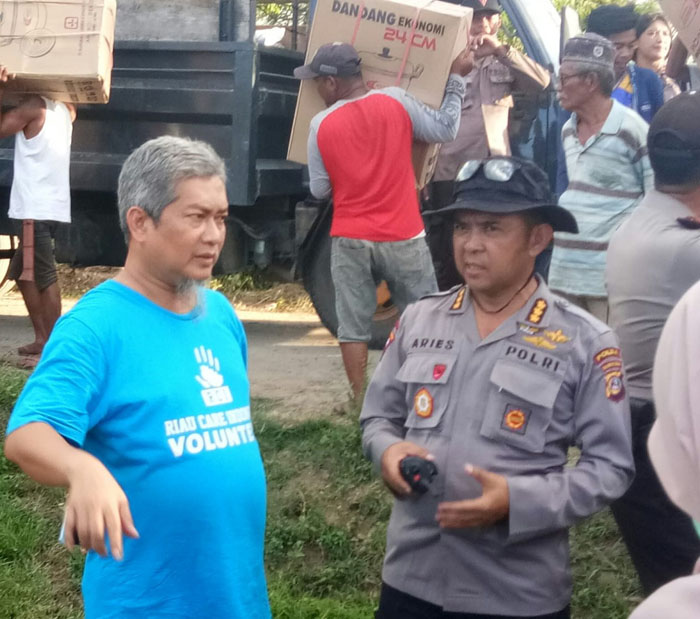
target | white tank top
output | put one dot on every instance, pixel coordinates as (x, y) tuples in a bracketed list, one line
[(40, 187)]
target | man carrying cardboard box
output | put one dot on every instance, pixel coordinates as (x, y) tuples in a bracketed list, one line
[(39, 199), (359, 151)]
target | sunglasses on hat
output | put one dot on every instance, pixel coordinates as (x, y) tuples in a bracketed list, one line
[(499, 170)]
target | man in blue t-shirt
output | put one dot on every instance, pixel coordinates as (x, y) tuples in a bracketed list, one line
[(140, 406)]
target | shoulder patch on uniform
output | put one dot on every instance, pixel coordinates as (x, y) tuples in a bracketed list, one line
[(537, 311), (609, 361)]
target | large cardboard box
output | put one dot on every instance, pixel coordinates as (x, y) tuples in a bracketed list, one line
[(685, 17), (406, 43), (59, 49)]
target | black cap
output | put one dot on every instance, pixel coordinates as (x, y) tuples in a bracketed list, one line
[(611, 19), (676, 127), (527, 189), (336, 59), (491, 6)]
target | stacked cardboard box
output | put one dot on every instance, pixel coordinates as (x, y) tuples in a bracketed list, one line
[(59, 49), (406, 43)]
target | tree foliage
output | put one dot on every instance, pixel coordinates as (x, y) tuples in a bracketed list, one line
[(584, 7)]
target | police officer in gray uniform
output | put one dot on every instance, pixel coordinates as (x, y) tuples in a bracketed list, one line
[(494, 381)]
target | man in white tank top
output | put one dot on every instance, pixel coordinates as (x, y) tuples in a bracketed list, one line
[(40, 198)]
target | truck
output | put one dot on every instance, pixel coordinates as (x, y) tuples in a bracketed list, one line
[(194, 69)]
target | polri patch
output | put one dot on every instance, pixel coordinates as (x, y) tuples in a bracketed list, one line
[(537, 312), (515, 419), (423, 403), (610, 362)]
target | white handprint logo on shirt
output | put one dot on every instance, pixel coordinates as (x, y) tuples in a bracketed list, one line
[(208, 368), (210, 378)]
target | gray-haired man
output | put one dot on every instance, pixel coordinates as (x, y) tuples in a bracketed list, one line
[(140, 407), (608, 168)]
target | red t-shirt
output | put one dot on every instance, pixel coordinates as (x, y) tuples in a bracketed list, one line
[(366, 145)]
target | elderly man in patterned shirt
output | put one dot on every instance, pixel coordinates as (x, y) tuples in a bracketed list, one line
[(608, 167)]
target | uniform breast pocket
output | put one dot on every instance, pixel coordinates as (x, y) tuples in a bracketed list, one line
[(426, 377), (500, 81), (520, 405)]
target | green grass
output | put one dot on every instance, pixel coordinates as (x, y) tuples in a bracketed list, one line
[(242, 281), (327, 516)]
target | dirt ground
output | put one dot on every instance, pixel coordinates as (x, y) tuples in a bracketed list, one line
[(293, 359)]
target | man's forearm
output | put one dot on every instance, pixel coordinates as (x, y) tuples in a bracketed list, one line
[(438, 126), (43, 454)]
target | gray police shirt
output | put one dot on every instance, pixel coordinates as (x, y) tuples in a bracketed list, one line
[(548, 377), (653, 258)]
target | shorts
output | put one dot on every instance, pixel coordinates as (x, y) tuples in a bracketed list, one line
[(358, 266), (44, 262)]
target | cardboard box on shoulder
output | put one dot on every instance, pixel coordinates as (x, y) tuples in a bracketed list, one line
[(406, 43), (59, 49), (685, 17)]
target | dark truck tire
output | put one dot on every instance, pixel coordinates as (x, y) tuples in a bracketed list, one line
[(316, 274)]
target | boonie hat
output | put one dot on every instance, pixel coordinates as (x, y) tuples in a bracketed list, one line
[(674, 131), (336, 59), (591, 50), (482, 5), (507, 185)]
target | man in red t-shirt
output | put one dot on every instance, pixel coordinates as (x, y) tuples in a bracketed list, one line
[(359, 152)]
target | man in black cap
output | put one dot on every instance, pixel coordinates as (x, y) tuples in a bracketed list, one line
[(493, 381), (653, 259), (359, 151), (499, 70), (637, 88)]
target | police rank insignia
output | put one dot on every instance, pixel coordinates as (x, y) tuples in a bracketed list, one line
[(515, 419), (459, 300), (610, 363), (392, 336), (423, 403), (537, 312)]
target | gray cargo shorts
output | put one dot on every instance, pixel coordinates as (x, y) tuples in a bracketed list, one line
[(358, 266)]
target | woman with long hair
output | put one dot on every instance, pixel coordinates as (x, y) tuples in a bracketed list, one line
[(653, 46)]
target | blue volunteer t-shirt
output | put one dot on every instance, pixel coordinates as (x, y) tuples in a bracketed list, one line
[(162, 400)]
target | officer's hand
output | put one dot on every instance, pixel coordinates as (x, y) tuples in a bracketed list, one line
[(487, 45), (489, 508), (464, 63), (390, 465), (96, 505)]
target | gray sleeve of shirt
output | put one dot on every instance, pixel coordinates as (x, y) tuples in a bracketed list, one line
[(540, 504), (430, 125), (319, 182), (384, 408)]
